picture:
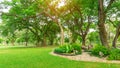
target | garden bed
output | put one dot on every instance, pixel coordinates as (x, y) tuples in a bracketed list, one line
[(85, 56), (66, 54)]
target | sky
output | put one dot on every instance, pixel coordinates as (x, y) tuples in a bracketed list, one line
[(3, 0), (3, 10)]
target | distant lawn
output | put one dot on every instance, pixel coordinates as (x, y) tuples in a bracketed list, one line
[(40, 58)]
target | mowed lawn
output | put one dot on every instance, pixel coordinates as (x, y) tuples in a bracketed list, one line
[(40, 58)]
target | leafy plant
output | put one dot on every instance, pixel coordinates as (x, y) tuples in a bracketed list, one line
[(1, 40), (59, 50), (114, 54), (77, 48), (74, 48), (100, 50)]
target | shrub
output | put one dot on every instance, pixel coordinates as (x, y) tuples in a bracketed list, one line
[(66, 39), (100, 51), (1, 40), (63, 49), (77, 49), (114, 54), (74, 48), (59, 50)]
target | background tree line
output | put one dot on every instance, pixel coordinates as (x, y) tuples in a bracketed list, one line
[(49, 22)]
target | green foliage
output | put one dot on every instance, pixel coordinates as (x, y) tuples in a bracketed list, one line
[(59, 50), (100, 49), (64, 49), (93, 37), (73, 48), (66, 40), (38, 17), (1, 40), (114, 54), (26, 14), (77, 48)]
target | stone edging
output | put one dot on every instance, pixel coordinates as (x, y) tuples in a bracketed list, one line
[(85, 57)]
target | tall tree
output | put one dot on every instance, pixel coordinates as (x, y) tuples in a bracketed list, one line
[(114, 20), (54, 14), (79, 18), (102, 11)]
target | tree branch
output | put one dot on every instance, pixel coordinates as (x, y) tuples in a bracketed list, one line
[(109, 5), (88, 26), (112, 23)]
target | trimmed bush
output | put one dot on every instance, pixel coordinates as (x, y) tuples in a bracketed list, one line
[(74, 48), (114, 54), (100, 51)]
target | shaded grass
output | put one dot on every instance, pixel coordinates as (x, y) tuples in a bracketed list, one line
[(40, 58)]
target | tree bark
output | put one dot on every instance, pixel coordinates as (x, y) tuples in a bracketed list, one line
[(60, 26), (61, 30), (51, 41), (83, 41), (26, 38), (44, 41), (13, 42), (62, 35), (101, 24), (38, 42), (116, 36), (115, 40)]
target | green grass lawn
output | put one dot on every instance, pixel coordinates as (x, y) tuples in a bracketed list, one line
[(40, 58)]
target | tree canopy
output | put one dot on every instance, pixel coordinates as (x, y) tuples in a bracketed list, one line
[(51, 21)]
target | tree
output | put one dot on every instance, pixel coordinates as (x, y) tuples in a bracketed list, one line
[(54, 14), (101, 21), (114, 14), (80, 12), (29, 18)]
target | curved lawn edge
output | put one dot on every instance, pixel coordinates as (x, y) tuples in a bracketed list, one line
[(85, 57), (65, 54)]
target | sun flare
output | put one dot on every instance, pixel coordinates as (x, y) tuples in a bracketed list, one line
[(58, 3), (61, 3)]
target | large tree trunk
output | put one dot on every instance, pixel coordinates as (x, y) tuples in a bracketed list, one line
[(103, 35), (84, 47), (26, 43), (116, 36), (60, 26), (38, 42), (44, 41), (26, 38), (115, 40), (13, 42), (101, 24), (83, 41), (51, 41), (62, 34)]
